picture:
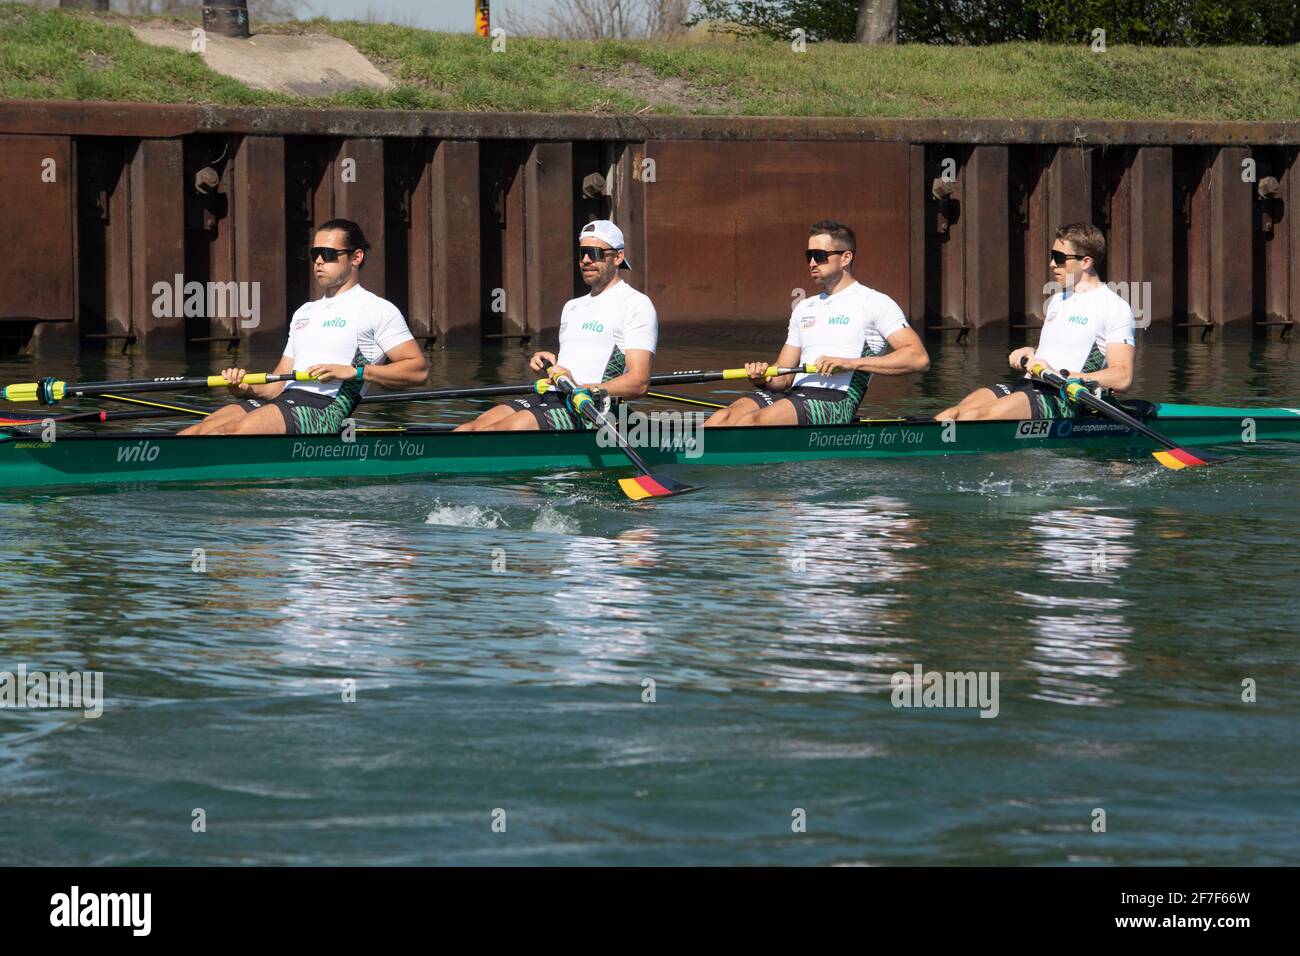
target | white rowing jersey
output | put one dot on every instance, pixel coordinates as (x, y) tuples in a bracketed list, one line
[(596, 330), (355, 327), (1078, 327), (852, 323)]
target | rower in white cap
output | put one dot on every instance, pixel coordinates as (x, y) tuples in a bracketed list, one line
[(607, 344)]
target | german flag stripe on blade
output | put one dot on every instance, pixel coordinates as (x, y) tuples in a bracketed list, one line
[(653, 486), (1178, 458), (644, 486)]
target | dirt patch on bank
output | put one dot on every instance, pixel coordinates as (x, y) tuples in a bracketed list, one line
[(672, 92)]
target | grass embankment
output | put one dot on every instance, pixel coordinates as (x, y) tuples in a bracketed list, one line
[(69, 56)]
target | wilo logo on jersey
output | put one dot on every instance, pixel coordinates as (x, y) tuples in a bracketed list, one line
[(677, 432), (213, 300), (592, 326), (1136, 294), (22, 689), (338, 322), (838, 320)]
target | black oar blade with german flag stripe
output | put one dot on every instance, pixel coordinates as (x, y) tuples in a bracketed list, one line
[(1181, 457), (654, 486)]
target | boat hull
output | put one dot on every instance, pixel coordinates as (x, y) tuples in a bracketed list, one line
[(124, 458)]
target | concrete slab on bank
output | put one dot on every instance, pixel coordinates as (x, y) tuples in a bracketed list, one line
[(296, 64)]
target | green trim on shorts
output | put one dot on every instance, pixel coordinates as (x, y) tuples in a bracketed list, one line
[(563, 420), (1050, 405), (841, 412), (329, 420)]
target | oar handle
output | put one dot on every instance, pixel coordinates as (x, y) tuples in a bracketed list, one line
[(261, 378), (772, 371), (1041, 372)]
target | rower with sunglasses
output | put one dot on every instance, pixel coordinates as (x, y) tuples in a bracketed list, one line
[(850, 332), (346, 339), (607, 344), (1088, 336)]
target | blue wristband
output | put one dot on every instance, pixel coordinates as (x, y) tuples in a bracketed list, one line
[(361, 371)]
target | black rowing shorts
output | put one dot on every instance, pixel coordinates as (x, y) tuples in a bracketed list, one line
[(309, 413)]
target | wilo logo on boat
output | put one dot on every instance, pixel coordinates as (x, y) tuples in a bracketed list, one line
[(1136, 294), (139, 453), (664, 431), (957, 689), (225, 300), (22, 689)]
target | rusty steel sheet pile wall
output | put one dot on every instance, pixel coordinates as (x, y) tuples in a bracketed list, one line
[(473, 218), (727, 223)]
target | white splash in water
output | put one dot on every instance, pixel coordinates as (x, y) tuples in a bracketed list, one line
[(551, 521), (464, 516), (545, 520)]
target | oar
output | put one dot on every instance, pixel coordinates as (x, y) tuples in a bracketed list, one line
[(1177, 456), (685, 400), (666, 397), (544, 385), (172, 407), (36, 418), (645, 485), (49, 390)]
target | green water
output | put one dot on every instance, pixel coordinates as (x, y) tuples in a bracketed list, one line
[(499, 633)]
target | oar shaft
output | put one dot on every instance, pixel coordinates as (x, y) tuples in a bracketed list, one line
[(486, 391), (30, 418), (50, 391), (492, 391)]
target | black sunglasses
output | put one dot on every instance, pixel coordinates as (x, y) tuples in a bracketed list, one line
[(595, 253), (820, 256), (326, 253), (1058, 258)]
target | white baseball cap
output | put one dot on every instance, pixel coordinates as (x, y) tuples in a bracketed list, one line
[(606, 232)]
